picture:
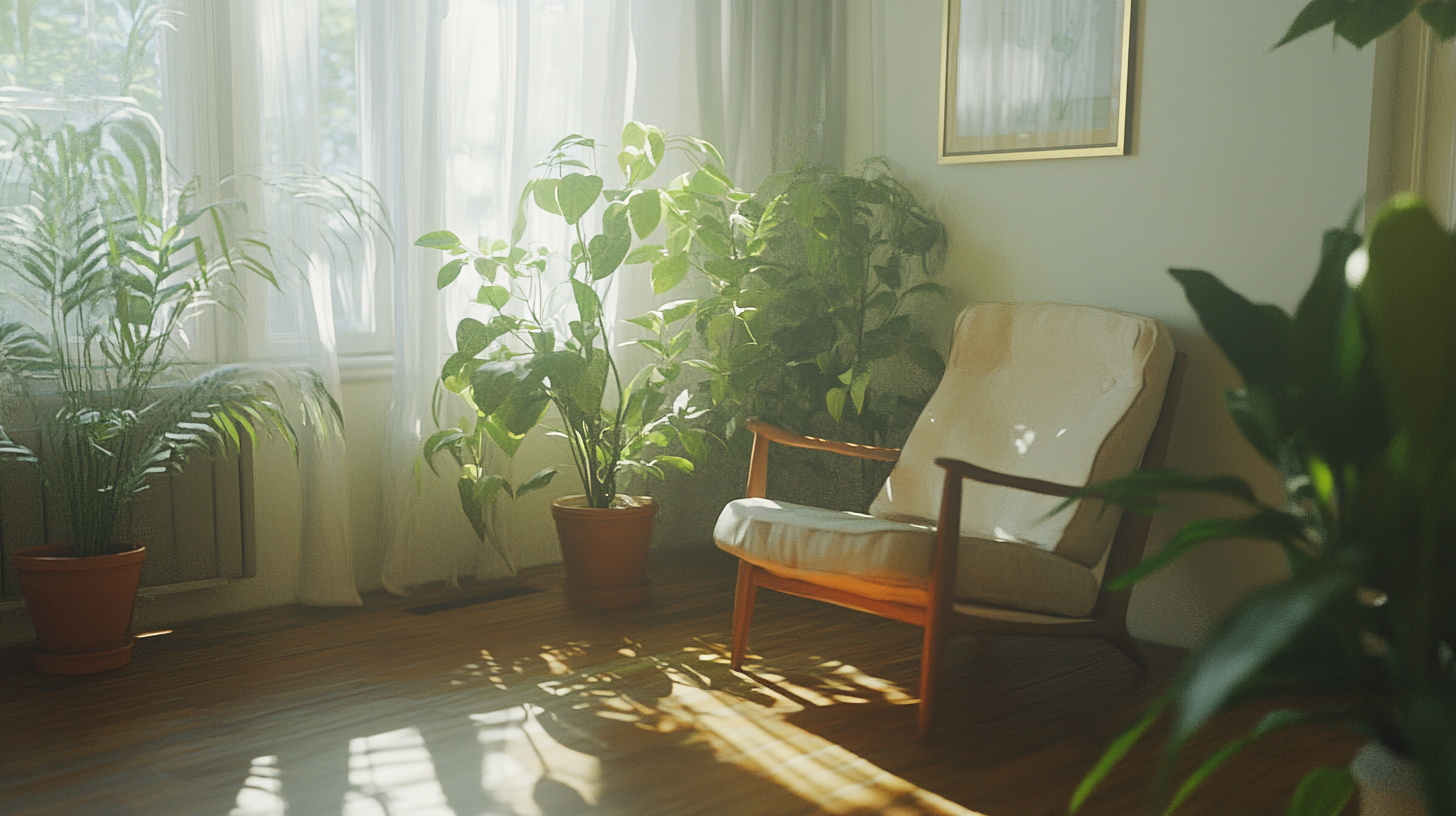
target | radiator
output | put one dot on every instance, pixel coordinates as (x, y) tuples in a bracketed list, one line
[(196, 525)]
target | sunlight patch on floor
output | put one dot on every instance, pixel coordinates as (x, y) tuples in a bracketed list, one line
[(521, 757)]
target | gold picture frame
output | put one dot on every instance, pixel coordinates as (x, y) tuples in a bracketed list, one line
[(1034, 79)]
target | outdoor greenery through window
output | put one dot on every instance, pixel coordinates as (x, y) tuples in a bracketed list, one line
[(80, 49)]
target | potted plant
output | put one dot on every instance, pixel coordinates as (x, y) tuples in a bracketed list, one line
[(1353, 399), (548, 342), (816, 322), (109, 264)]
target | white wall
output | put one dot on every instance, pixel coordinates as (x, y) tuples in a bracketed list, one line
[(1240, 159)]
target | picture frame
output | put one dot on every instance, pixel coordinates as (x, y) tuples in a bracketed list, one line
[(1035, 79)]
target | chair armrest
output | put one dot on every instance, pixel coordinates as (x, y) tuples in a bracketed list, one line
[(776, 434), (966, 470), (764, 433)]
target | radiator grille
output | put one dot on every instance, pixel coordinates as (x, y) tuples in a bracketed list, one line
[(196, 525)]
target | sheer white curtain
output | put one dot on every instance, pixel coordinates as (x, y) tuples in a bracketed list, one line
[(462, 99), (241, 80)]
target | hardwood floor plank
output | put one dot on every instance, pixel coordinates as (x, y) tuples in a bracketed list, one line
[(527, 705)]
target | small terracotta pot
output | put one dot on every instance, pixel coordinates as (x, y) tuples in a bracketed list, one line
[(80, 607), (605, 550)]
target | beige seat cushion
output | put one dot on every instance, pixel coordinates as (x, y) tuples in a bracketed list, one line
[(850, 551), (1064, 393)]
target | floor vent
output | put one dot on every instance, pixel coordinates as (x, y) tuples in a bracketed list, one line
[(473, 600)]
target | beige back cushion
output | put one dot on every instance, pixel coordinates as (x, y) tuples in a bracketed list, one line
[(1064, 393)]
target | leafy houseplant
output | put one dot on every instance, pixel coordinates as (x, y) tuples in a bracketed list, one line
[(815, 307), (548, 341), (1353, 399), (110, 264)]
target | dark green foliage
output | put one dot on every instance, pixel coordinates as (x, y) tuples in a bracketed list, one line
[(816, 321), (1353, 399)]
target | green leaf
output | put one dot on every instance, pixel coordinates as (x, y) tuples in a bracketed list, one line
[(1252, 634), (576, 194), (1328, 352), (707, 183), (508, 442), (588, 304), (544, 191), (1324, 791), (448, 273), (669, 272), (465, 486), (1407, 298), (497, 296), (729, 270), (1317, 14), (491, 385), (925, 289), (678, 462), (1257, 418), (926, 359), (1270, 722), (1440, 15), (441, 440), (1364, 20), (486, 268), (523, 410), (677, 310), (542, 478), (487, 489), (834, 401), (610, 248), (472, 337), (439, 239), (1255, 337), (857, 388), (804, 201), (645, 207), (647, 253), (1115, 752), (1140, 489), (1267, 524)]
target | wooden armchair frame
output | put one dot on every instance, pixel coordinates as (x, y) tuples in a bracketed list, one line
[(932, 608)]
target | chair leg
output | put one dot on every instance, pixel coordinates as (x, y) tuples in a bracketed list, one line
[(930, 660), (742, 611), (1124, 642)]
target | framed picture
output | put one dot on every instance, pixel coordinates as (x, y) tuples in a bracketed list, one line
[(1034, 79)]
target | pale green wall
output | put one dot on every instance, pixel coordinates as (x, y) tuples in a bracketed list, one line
[(1241, 158)]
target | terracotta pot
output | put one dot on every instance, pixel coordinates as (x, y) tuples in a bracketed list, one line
[(605, 550), (80, 607), (1390, 784)]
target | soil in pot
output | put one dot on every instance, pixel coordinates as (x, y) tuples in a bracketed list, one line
[(605, 550), (80, 607)]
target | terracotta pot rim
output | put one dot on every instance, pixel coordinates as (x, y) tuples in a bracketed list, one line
[(58, 557), (574, 505)]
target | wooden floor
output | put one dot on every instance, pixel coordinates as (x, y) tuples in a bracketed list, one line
[(527, 705)]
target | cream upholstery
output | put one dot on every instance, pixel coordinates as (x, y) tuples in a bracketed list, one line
[(849, 550), (1066, 394)]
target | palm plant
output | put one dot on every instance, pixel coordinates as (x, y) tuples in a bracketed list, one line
[(111, 265)]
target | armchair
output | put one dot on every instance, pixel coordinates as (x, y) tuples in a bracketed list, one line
[(1038, 400)]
